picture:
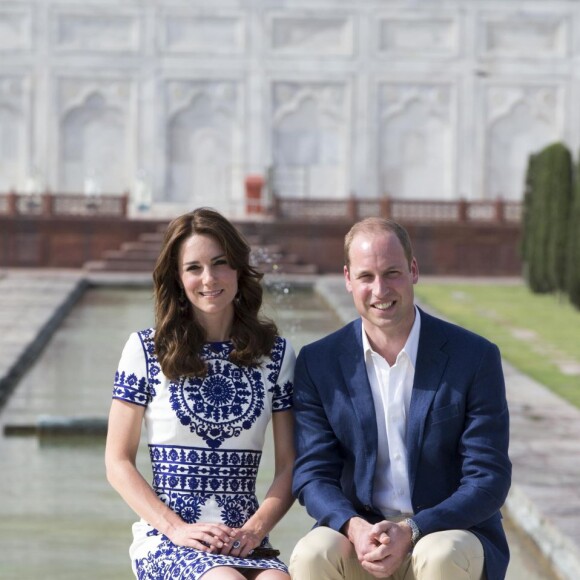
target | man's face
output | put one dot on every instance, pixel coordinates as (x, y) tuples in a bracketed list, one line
[(381, 282)]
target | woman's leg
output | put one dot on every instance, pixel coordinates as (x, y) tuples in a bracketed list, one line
[(223, 573), (267, 575)]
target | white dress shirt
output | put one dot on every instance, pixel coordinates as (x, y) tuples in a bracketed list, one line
[(391, 389)]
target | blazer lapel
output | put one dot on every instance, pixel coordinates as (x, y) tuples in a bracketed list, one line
[(352, 363), (431, 363)]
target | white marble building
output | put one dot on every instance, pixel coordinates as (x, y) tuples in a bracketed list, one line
[(178, 100)]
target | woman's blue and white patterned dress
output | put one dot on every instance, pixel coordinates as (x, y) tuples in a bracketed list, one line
[(205, 439)]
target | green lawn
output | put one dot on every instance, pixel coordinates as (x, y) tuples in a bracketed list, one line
[(538, 334)]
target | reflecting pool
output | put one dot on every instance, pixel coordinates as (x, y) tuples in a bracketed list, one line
[(59, 518)]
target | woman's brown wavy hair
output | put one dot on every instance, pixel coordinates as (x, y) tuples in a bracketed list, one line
[(179, 337)]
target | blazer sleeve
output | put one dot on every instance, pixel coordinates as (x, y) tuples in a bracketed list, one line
[(484, 468), (318, 466)]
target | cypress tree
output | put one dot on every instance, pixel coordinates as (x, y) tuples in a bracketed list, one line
[(545, 219), (526, 237), (559, 199), (573, 277), (537, 224)]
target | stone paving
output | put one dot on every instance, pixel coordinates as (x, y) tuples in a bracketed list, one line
[(545, 431), (32, 305)]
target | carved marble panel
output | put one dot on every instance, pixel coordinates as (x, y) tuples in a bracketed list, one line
[(310, 138), (416, 140), (312, 35), (14, 121), (519, 120), (203, 33), (419, 36), (203, 142), (16, 26), (525, 35), (96, 31), (94, 135)]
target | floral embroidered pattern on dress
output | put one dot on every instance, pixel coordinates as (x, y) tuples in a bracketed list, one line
[(205, 436), (184, 478), (229, 399), (170, 562), (140, 390)]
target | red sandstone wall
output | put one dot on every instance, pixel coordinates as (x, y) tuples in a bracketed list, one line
[(63, 243), (441, 249)]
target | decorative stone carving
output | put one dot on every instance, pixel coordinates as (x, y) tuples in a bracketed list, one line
[(432, 99), (416, 140), (203, 143), (14, 122), (520, 120), (97, 31), (310, 138), (15, 28), (416, 36), (525, 35), (186, 33), (94, 135), (312, 35)]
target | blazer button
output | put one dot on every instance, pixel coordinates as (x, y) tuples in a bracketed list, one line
[(368, 508)]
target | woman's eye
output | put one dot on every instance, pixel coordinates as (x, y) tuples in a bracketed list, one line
[(220, 262)]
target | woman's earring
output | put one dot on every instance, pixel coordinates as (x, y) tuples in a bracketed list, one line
[(237, 297), (182, 300)]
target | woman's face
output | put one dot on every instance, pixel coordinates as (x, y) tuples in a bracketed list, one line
[(208, 281)]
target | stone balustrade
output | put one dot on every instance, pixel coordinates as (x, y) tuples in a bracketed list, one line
[(61, 205)]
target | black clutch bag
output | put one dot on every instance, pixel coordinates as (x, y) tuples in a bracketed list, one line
[(264, 552)]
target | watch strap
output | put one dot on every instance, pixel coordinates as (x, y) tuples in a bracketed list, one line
[(415, 531)]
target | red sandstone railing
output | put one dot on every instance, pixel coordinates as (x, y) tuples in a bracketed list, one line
[(352, 209), (63, 205)]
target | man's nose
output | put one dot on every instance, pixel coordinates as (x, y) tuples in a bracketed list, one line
[(380, 286)]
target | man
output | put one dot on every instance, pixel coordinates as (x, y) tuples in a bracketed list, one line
[(402, 431)]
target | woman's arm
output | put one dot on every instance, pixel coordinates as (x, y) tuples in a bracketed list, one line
[(279, 496), (123, 435)]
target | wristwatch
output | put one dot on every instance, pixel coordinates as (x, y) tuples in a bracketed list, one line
[(415, 531)]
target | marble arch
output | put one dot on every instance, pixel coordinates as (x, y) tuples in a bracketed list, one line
[(289, 85)]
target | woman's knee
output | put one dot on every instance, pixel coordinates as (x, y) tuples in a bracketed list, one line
[(270, 574), (223, 573)]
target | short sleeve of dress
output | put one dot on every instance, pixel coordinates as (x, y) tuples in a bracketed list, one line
[(284, 385), (131, 381)]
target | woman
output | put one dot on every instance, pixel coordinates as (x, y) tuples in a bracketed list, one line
[(206, 381)]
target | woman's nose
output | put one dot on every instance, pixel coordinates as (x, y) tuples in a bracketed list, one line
[(208, 275)]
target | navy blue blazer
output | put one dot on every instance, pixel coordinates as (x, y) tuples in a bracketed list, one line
[(457, 435)]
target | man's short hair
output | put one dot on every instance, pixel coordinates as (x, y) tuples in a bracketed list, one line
[(376, 225)]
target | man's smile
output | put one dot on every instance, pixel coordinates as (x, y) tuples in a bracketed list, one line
[(383, 305)]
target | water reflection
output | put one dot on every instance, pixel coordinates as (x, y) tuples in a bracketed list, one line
[(59, 518)]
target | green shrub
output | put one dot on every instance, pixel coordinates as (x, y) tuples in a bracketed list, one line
[(545, 220), (573, 266), (559, 198)]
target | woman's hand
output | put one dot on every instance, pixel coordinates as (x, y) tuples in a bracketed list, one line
[(278, 498), (243, 543), (203, 536)]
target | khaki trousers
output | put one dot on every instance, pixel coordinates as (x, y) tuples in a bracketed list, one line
[(324, 554)]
